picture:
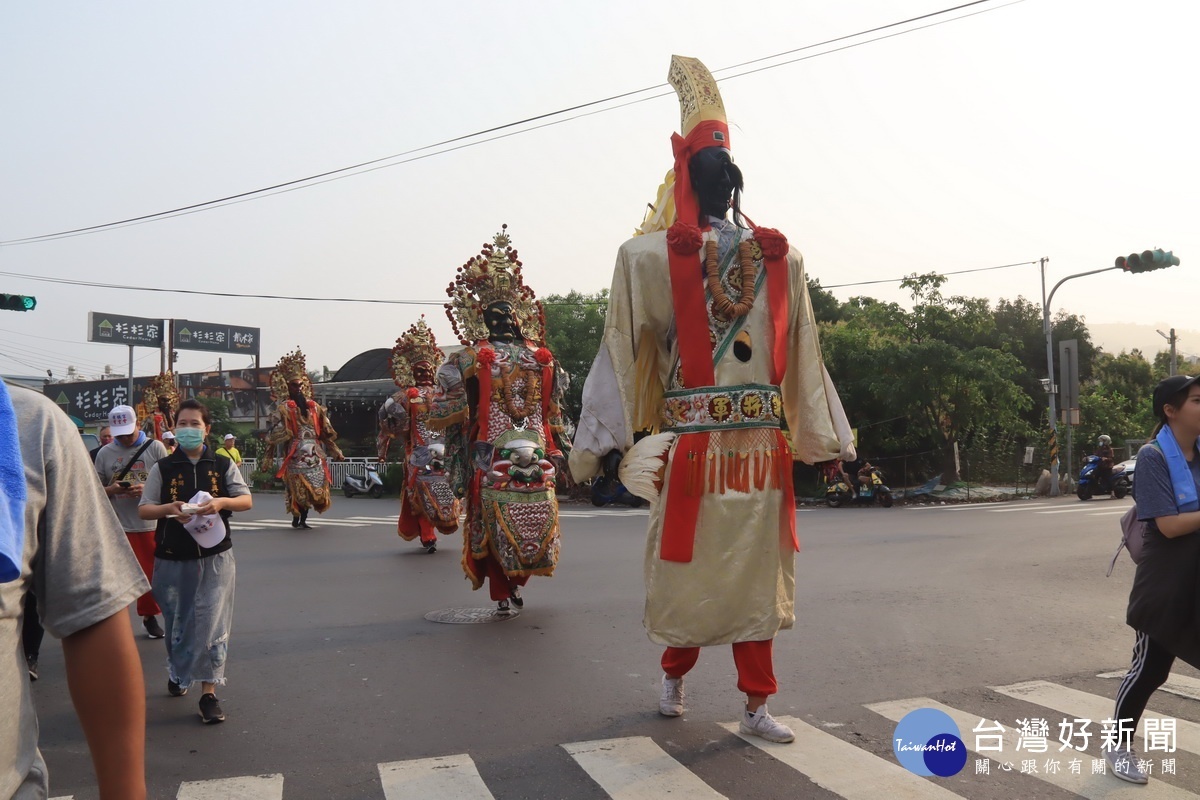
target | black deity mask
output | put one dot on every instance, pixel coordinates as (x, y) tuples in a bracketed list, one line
[(501, 322), (716, 182)]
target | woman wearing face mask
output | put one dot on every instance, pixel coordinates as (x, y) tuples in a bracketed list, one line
[(193, 583), (1163, 602)]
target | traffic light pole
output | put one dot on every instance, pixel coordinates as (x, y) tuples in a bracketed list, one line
[(1050, 388)]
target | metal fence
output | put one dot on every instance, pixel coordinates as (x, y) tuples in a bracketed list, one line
[(338, 469)]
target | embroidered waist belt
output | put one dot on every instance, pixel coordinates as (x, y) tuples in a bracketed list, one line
[(716, 408)]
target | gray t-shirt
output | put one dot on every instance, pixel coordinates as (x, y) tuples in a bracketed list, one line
[(1152, 488), (111, 459), (76, 560)]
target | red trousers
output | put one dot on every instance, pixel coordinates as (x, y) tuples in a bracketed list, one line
[(142, 543), (756, 674), (499, 584)]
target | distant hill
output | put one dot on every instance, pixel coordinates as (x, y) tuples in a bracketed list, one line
[(1117, 336)]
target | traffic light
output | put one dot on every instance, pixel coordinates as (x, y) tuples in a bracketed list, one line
[(17, 302), (1147, 261)]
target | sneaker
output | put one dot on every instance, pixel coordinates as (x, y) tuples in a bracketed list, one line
[(1124, 763), (153, 629), (764, 726), (670, 704), (174, 689), (503, 609), (31, 665), (431, 547), (210, 709), (515, 596)]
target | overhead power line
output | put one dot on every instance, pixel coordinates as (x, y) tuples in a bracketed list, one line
[(383, 301), (464, 140)]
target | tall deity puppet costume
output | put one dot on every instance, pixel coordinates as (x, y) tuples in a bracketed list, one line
[(427, 503), (159, 401), (302, 440), (710, 344), (501, 403)]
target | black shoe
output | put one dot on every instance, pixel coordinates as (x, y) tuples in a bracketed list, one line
[(210, 709), (431, 547), (305, 526), (31, 665), (153, 629), (516, 598), (174, 689), (502, 609), (295, 522)]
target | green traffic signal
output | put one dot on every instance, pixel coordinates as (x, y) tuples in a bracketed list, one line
[(17, 302)]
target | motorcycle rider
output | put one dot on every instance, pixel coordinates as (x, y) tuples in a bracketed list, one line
[(1104, 451), (864, 476)]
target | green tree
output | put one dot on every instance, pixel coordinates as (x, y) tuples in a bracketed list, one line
[(218, 409), (574, 329)]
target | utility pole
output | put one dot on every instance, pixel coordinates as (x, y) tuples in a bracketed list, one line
[(1048, 384), (1171, 339)]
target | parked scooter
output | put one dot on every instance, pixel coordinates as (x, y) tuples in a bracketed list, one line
[(369, 483), (839, 492), (1118, 484)]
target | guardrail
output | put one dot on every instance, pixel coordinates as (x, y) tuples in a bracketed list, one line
[(337, 469)]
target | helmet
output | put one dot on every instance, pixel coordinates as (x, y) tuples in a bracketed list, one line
[(1105, 439)]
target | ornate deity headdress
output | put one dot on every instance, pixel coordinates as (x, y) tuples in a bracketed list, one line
[(702, 124), (490, 277), (161, 385), (416, 345), (290, 368)]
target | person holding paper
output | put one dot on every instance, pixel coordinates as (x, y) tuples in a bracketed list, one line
[(192, 494)]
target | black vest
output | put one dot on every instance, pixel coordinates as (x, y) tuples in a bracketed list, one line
[(181, 479)]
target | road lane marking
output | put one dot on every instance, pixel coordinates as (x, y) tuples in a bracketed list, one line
[(1094, 787), (446, 778), (1182, 685), (257, 787), (635, 768), (842, 768), (1084, 705)]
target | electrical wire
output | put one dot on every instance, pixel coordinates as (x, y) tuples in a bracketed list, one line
[(906, 277), (373, 164)]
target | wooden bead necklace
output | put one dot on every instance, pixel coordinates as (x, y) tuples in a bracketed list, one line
[(722, 306)]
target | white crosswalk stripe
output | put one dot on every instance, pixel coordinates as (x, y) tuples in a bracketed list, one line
[(1094, 787), (638, 768), (1182, 685), (447, 778), (635, 768), (1083, 705), (844, 769)]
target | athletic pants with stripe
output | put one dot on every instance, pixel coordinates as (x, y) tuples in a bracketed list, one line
[(1150, 669)]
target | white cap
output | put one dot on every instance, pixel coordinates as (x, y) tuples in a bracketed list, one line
[(229, 436), (122, 420), (169, 435)]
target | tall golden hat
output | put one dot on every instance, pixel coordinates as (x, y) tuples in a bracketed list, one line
[(291, 367), (490, 277), (699, 101), (415, 346), (161, 385)]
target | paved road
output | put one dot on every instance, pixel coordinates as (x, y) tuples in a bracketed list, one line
[(339, 687)]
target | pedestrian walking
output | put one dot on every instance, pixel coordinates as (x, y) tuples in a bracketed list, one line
[(73, 557), (1163, 602), (710, 338), (122, 466), (194, 572), (229, 449)]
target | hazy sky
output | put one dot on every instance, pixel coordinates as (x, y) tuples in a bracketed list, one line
[(1042, 128)]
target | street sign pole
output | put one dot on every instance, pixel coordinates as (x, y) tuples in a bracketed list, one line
[(130, 375)]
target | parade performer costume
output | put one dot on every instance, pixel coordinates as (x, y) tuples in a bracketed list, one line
[(711, 346), (501, 405), (159, 401), (303, 439), (427, 502)]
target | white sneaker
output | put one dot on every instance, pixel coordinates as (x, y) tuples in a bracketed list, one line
[(1124, 764), (763, 725), (670, 704)]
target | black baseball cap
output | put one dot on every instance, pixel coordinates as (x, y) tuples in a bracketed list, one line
[(1168, 389)]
